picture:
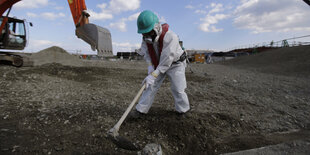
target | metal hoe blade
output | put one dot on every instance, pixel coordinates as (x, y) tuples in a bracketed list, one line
[(121, 141), (97, 37)]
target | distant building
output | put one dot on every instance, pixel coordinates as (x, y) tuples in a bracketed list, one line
[(129, 55)]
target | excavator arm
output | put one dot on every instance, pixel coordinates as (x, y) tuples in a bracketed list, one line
[(78, 9), (4, 5), (99, 38)]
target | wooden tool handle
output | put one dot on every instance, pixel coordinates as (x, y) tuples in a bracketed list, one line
[(119, 123)]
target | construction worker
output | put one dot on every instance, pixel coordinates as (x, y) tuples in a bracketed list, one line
[(163, 53)]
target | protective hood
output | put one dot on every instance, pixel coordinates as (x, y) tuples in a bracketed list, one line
[(158, 29)]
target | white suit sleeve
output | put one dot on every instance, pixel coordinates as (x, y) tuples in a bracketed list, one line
[(171, 52), (144, 51)]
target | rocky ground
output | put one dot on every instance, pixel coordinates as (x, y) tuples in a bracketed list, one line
[(237, 105)]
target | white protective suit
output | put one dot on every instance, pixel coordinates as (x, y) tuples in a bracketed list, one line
[(171, 52)]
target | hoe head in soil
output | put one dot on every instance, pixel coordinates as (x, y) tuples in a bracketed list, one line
[(121, 142)]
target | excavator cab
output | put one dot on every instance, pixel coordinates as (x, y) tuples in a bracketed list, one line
[(13, 35)]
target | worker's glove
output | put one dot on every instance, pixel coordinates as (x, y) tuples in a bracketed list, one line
[(150, 69), (150, 79)]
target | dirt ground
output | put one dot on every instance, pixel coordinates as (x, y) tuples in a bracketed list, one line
[(244, 103)]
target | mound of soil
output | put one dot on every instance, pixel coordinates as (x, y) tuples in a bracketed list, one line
[(292, 61), (55, 54)]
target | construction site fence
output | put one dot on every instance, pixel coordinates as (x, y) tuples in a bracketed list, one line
[(277, 44)]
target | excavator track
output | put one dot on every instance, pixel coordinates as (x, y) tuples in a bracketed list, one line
[(10, 58)]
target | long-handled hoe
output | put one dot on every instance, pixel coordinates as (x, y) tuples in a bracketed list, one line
[(113, 133)]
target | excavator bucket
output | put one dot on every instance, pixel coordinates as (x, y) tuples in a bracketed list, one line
[(98, 37), (307, 1)]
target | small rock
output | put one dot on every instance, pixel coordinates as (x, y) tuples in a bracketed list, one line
[(67, 122), (4, 130), (15, 147), (183, 145), (58, 148), (152, 149), (45, 151), (6, 117)]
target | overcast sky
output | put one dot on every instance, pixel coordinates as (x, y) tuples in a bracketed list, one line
[(200, 24)]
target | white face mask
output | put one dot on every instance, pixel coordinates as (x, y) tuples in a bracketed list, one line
[(148, 39)]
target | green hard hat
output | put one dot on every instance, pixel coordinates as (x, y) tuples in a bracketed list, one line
[(146, 21)]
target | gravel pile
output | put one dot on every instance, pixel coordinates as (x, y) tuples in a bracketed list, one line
[(288, 61), (55, 54)]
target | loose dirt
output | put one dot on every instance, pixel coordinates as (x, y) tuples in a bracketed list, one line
[(237, 105)]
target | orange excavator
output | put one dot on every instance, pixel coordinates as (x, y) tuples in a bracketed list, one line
[(13, 34)]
